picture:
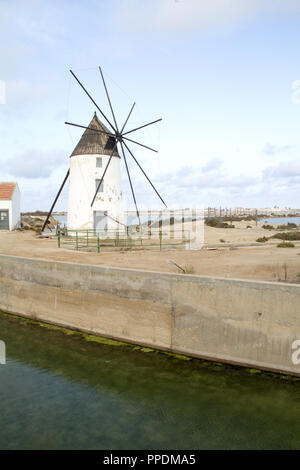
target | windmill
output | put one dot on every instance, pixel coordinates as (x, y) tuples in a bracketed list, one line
[(116, 136)]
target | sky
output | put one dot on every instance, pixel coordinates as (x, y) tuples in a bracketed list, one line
[(223, 75)]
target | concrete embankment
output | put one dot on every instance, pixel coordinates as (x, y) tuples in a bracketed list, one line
[(242, 322)]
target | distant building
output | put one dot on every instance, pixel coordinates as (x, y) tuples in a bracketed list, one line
[(87, 164), (10, 217)]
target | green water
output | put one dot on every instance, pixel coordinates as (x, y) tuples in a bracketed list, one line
[(63, 392)]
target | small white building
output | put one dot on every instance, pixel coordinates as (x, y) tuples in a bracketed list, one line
[(87, 164), (10, 217)]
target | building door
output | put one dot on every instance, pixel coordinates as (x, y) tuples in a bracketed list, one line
[(4, 219), (100, 221)]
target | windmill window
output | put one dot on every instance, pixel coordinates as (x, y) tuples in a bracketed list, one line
[(99, 162), (101, 187)]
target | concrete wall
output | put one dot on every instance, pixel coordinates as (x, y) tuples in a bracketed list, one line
[(244, 322), (83, 175)]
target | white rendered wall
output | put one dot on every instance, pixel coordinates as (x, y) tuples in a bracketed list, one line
[(82, 187), (13, 206), (15, 216)]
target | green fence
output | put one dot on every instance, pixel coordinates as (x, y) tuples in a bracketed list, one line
[(89, 240)]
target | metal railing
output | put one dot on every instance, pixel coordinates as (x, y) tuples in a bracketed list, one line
[(91, 240)]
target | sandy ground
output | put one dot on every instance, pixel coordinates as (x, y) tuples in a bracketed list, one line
[(236, 258)]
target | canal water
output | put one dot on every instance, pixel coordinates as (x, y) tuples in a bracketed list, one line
[(281, 220), (60, 391)]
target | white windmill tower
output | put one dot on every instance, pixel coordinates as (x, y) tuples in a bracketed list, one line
[(87, 164), (95, 195)]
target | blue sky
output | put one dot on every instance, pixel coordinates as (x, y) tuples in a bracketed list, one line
[(220, 74)]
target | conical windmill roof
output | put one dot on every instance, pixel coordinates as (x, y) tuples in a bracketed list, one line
[(93, 142)]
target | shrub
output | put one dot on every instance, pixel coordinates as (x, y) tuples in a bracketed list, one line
[(212, 222), (188, 269), (217, 223), (222, 240), (262, 240), (288, 226), (287, 236), (285, 245), (268, 227), (238, 218), (34, 213)]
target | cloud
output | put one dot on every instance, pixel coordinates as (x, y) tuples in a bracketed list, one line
[(186, 16), (34, 163), (283, 170), (215, 185), (209, 185), (213, 164), (270, 149)]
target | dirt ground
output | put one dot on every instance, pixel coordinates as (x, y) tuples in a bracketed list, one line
[(235, 258)]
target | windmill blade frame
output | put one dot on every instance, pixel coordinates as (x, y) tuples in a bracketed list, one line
[(118, 137), (55, 200)]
